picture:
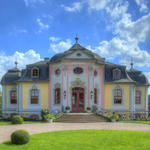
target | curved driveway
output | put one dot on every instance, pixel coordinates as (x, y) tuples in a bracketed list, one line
[(6, 130)]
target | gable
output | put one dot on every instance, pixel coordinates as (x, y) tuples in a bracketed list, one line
[(78, 55)]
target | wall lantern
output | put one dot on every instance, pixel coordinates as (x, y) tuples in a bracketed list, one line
[(64, 94), (91, 94)]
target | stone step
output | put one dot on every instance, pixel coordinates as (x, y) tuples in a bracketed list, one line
[(80, 118)]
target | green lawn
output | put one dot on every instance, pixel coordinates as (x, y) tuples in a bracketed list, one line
[(85, 140), (132, 121), (25, 122)]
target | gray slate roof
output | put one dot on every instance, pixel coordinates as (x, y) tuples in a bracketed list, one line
[(11, 76), (138, 77), (109, 67), (76, 47), (127, 76), (43, 67)]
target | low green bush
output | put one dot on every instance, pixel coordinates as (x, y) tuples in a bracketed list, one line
[(48, 117), (115, 117), (17, 119), (88, 108), (20, 137), (67, 107)]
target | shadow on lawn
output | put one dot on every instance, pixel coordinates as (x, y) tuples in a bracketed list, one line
[(8, 143)]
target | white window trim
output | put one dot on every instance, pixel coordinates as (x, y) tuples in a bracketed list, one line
[(9, 99), (114, 106), (29, 97), (32, 72)]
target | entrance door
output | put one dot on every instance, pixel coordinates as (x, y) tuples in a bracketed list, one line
[(77, 99)]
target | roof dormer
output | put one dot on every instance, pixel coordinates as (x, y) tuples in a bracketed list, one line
[(35, 72), (116, 74)]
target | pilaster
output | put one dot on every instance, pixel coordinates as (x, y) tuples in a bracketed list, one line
[(3, 100), (132, 100)]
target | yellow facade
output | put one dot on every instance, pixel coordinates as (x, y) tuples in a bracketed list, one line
[(44, 93), (108, 95), (143, 88), (108, 88), (8, 87), (126, 87)]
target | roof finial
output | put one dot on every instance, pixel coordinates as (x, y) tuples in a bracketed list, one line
[(131, 64), (76, 38), (16, 64)]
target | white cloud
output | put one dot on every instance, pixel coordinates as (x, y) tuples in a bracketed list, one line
[(98, 4), (7, 62), (33, 2), (124, 50), (134, 31), (142, 4), (117, 9), (54, 39), (42, 25), (92, 5), (76, 6), (60, 46)]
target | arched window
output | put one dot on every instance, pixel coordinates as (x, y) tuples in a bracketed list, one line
[(57, 95), (35, 72), (116, 74), (34, 96), (117, 95), (13, 97), (138, 97)]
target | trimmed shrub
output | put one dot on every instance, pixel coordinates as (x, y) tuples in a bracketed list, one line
[(17, 119), (115, 117), (20, 137), (67, 107), (88, 108)]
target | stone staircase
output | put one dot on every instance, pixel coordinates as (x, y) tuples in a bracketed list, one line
[(80, 118)]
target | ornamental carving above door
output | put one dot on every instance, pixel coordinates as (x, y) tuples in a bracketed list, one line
[(78, 83)]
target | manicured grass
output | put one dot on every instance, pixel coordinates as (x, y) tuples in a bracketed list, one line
[(25, 122), (85, 140), (132, 121)]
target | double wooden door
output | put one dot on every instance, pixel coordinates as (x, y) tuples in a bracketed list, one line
[(78, 99)]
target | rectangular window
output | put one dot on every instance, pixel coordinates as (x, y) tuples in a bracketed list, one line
[(13, 97), (95, 96), (34, 96), (57, 96), (118, 96), (138, 97), (35, 72)]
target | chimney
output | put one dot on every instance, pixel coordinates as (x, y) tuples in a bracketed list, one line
[(46, 59)]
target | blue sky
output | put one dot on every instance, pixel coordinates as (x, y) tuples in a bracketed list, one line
[(118, 30)]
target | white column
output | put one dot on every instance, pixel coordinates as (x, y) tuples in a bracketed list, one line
[(19, 99), (132, 100), (146, 101)]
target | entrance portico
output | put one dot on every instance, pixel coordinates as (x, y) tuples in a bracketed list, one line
[(78, 99), (76, 81)]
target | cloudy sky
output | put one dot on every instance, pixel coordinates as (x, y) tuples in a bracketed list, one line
[(118, 30)]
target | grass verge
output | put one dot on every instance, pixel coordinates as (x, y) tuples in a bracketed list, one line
[(85, 140)]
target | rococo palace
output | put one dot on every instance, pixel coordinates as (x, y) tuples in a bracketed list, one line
[(78, 78)]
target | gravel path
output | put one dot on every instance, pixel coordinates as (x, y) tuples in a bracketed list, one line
[(6, 130)]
